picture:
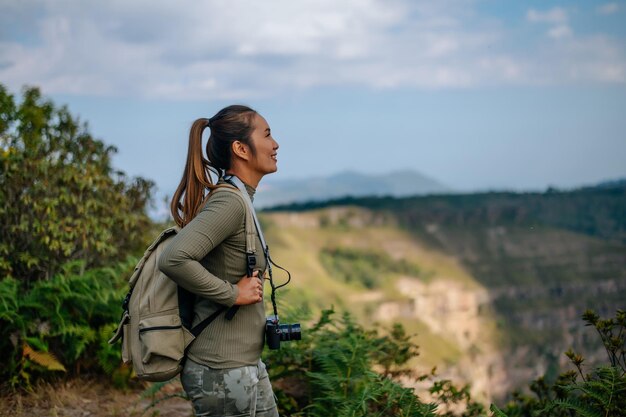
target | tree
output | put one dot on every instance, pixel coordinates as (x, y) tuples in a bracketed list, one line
[(60, 198)]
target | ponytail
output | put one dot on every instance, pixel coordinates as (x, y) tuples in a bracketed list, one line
[(190, 194)]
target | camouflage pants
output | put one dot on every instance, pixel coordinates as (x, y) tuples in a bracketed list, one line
[(244, 391)]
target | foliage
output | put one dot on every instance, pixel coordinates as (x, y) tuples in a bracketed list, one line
[(60, 198), (62, 324), (45, 359), (602, 392), (612, 332), (496, 411), (449, 397), (364, 266), (65, 213), (341, 369)]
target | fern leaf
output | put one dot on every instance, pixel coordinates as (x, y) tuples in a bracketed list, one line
[(45, 359), (36, 344), (581, 409), (496, 411), (598, 391)]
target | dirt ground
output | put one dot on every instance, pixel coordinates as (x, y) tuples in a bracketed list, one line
[(91, 398)]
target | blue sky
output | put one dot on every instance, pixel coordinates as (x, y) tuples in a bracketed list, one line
[(476, 94)]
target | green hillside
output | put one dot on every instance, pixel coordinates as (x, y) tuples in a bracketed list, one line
[(354, 259), (518, 269)]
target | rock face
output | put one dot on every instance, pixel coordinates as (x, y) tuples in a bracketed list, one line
[(453, 311), (447, 308)]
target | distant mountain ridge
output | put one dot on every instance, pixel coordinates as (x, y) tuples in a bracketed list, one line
[(615, 183), (347, 184), (597, 211)]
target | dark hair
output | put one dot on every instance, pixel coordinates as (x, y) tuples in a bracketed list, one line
[(232, 123)]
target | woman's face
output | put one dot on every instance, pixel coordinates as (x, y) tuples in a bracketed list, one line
[(265, 159)]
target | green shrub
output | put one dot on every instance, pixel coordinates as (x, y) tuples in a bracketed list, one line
[(331, 371), (61, 324), (601, 392), (65, 214), (61, 200)]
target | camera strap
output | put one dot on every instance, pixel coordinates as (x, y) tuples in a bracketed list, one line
[(241, 186)]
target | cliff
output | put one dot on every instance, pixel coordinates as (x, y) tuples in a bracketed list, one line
[(492, 284)]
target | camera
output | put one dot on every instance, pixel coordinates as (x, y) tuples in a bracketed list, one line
[(276, 333)]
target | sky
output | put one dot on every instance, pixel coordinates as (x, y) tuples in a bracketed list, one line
[(477, 94)]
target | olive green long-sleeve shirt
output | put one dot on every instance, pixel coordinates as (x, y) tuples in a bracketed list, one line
[(208, 258)]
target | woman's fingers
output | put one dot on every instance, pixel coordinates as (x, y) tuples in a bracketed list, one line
[(250, 289)]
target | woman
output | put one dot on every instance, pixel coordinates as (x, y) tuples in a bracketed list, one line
[(223, 373)]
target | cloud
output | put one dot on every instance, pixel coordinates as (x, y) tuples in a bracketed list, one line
[(560, 31), (557, 17), (608, 8), (554, 15), (235, 49)]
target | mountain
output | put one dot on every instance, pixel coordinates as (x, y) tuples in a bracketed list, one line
[(616, 183), (396, 184), (493, 284)]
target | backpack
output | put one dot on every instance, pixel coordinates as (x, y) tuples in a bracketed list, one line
[(155, 327)]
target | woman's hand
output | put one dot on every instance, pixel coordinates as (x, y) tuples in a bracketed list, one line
[(250, 290)]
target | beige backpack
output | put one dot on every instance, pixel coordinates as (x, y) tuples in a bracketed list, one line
[(156, 322)]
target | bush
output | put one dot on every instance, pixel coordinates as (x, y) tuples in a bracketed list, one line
[(331, 371), (60, 198), (62, 324), (65, 215), (601, 392)]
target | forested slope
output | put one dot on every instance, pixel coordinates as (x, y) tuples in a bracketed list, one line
[(541, 258)]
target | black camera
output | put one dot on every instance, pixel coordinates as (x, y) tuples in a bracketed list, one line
[(276, 333)]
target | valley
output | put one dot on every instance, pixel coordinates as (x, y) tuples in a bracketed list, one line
[(493, 297)]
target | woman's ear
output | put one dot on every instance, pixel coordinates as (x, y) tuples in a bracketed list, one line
[(241, 150)]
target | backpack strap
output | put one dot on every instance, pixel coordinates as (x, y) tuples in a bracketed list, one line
[(253, 228), (250, 229), (198, 328)]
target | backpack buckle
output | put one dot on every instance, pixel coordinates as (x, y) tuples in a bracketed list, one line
[(251, 264)]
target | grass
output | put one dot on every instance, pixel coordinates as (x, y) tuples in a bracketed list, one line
[(297, 241), (86, 397)]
